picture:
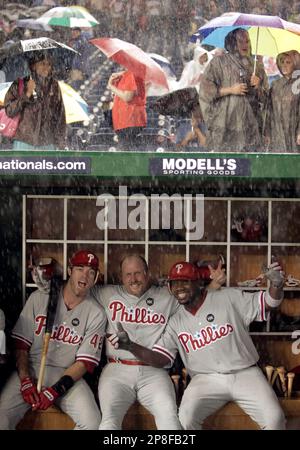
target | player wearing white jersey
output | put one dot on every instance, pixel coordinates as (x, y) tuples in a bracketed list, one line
[(210, 332), (74, 349), (143, 312)]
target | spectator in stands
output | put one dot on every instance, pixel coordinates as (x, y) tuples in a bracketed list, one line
[(212, 10), (129, 106), (193, 71), (118, 10), (197, 132), (279, 8), (282, 129), (294, 12), (43, 122), (231, 97), (233, 6), (193, 131), (80, 66)]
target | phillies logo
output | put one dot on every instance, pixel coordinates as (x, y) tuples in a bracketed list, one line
[(179, 267), (90, 257), (150, 301), (120, 313), (210, 317), (59, 332), (206, 336)]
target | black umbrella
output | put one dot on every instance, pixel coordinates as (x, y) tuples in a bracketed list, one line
[(178, 103), (14, 57)]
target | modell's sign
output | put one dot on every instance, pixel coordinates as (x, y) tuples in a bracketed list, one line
[(200, 166)]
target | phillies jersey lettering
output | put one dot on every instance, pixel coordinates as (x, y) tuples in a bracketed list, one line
[(144, 323), (223, 346), (59, 332), (120, 313), (204, 337), (77, 334)]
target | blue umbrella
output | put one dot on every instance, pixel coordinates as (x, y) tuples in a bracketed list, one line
[(215, 36)]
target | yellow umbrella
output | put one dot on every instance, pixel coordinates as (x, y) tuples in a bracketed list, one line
[(76, 108), (272, 41)]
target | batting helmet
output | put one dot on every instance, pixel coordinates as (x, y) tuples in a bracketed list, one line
[(84, 258), (183, 270)]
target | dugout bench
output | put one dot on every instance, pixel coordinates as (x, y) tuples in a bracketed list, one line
[(273, 351), (229, 417)]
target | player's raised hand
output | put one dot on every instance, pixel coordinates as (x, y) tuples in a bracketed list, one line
[(274, 274), (218, 276)]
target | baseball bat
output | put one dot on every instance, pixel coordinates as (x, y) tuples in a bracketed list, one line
[(184, 377), (281, 372), (175, 379), (274, 376), (269, 370), (55, 286), (290, 376)]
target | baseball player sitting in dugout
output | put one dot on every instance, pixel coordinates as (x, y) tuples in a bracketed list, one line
[(143, 310), (74, 349), (210, 331)]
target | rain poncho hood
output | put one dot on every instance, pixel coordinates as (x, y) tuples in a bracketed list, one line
[(191, 75)]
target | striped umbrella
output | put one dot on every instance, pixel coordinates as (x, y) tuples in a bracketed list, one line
[(269, 35), (71, 17)]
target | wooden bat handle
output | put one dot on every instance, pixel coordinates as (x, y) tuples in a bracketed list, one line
[(184, 377), (269, 370), (43, 361), (281, 373), (175, 379), (274, 376), (290, 377)]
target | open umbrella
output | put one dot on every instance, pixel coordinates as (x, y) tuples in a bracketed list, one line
[(178, 103), (155, 90), (71, 16), (269, 35), (164, 64), (133, 58), (3, 89), (32, 24), (14, 58), (75, 107)]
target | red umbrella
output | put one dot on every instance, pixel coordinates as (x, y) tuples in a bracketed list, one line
[(133, 58)]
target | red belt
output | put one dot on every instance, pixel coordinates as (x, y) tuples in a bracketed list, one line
[(129, 362)]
